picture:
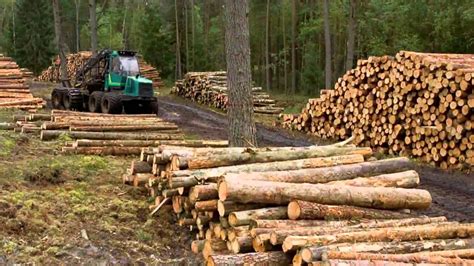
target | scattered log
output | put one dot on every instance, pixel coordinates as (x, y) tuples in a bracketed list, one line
[(51, 134), (264, 258)]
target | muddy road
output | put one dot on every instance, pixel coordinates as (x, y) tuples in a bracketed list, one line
[(452, 191)]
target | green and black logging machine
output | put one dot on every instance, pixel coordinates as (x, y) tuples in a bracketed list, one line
[(109, 82)]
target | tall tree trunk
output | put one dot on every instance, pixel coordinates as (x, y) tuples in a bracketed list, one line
[(193, 37), (13, 26), (327, 45), (186, 28), (285, 52), (207, 25), (78, 32), (60, 40), (293, 44), (267, 48), (351, 28), (178, 73), (125, 43), (242, 130), (93, 25)]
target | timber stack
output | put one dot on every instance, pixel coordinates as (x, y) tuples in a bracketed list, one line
[(300, 205), (413, 104), (104, 134), (210, 88), (14, 91), (77, 60)]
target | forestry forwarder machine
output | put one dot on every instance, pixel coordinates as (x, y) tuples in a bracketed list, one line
[(109, 82)]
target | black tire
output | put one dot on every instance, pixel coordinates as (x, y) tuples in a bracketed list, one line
[(149, 108), (131, 108), (73, 100), (111, 104), (94, 102), (57, 99)]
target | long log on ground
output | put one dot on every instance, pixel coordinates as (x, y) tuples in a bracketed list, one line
[(149, 143), (281, 193), (386, 263), (7, 126), (272, 156), (244, 217), (409, 233), (51, 134), (331, 173), (224, 208), (310, 254), (298, 209), (125, 128), (278, 236), (204, 174), (203, 192), (264, 258), (289, 224), (406, 179), (450, 256), (117, 151)]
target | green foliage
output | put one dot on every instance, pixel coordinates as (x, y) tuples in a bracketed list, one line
[(30, 40)]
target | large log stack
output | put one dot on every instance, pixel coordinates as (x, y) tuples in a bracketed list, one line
[(77, 60), (413, 104), (210, 88), (103, 134), (300, 205), (14, 91)]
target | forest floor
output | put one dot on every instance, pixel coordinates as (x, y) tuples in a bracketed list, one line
[(57, 209)]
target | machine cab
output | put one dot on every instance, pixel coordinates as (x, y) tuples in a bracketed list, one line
[(122, 64)]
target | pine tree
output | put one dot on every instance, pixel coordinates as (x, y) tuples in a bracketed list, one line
[(34, 35)]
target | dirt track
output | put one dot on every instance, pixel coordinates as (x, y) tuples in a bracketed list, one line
[(452, 192)]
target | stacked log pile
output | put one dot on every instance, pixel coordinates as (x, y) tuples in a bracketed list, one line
[(413, 104), (14, 91), (77, 60), (210, 88), (102, 134), (318, 204)]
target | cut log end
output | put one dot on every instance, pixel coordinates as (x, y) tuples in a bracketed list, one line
[(294, 210)]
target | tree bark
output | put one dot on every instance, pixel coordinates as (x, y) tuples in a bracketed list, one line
[(77, 26), (407, 179), (244, 217), (281, 193), (298, 209), (206, 205), (261, 243), (93, 26), (331, 173), (138, 167), (264, 258), (294, 22), (289, 224), (124, 128), (203, 192), (193, 37), (226, 207), (51, 134), (125, 37), (60, 41), (310, 254), (409, 233), (285, 52), (242, 130), (327, 46), (237, 231), (446, 257), (351, 32), (213, 246), (248, 157), (178, 73), (149, 143), (241, 244), (385, 262)]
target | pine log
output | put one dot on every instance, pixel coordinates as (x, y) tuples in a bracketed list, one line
[(409, 233), (204, 174), (226, 207), (206, 205), (289, 224), (407, 179), (261, 243), (263, 258), (116, 151), (237, 231), (241, 244), (384, 263), (203, 192), (149, 143), (213, 246), (272, 156), (331, 173), (298, 209), (140, 167), (281, 193), (51, 134), (310, 254), (125, 128), (244, 217)]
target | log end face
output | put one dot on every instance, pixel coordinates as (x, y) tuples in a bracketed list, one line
[(233, 221), (294, 210), (306, 255), (222, 190), (221, 208)]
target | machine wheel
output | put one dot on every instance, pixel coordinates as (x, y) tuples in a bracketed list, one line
[(72, 100), (149, 108), (111, 104), (57, 99), (95, 100)]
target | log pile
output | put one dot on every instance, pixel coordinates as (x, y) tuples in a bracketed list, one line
[(413, 104), (210, 88), (14, 91), (103, 134), (77, 60), (301, 205)]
